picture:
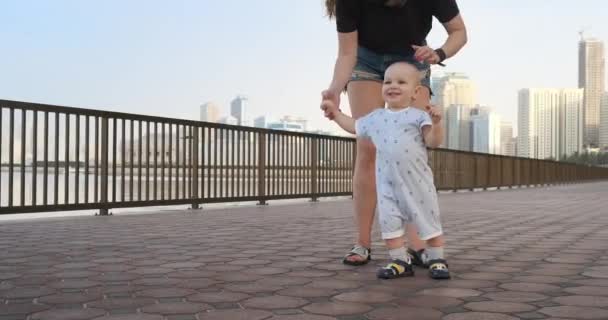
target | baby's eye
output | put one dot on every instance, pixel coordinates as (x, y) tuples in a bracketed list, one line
[(387, 82), (402, 82)]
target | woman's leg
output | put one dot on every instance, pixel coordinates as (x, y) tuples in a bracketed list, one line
[(364, 97)]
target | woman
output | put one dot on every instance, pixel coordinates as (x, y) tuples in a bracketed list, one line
[(372, 34)]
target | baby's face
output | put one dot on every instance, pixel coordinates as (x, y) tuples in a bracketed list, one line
[(400, 83)]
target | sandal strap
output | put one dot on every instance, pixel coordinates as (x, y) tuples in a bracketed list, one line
[(438, 264), (359, 250), (397, 267)]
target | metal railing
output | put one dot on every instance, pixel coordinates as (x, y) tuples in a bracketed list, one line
[(57, 158)]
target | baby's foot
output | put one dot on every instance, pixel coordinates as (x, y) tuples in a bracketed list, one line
[(438, 269), (396, 269)]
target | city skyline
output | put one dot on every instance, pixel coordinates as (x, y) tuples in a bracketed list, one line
[(66, 53)]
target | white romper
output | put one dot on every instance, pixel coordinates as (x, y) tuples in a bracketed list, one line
[(404, 181)]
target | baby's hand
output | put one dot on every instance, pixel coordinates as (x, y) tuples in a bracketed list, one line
[(434, 113), (330, 108)]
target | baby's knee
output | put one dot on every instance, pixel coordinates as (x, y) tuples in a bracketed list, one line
[(437, 241)]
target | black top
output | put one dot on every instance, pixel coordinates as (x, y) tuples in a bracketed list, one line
[(386, 29)]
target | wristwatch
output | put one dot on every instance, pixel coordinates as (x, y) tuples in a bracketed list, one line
[(442, 56)]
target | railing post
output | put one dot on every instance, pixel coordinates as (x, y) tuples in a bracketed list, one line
[(502, 169), (457, 172), (104, 167), (194, 166), (262, 168), (314, 157), (474, 173)]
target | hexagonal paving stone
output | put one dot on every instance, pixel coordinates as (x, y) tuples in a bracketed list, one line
[(307, 292), (592, 282), (70, 298), (467, 284), (540, 279), (478, 316), (22, 309), (335, 284), (436, 302), (274, 302), (529, 287), (583, 301), (120, 303), (134, 316), (450, 292), (365, 297), (310, 274), (236, 314), (238, 277), (69, 314), (26, 292), (251, 288), (267, 271), (580, 313), (283, 281), (403, 312), (588, 290), (302, 317), (171, 308), (74, 284), (166, 293), (515, 296), (218, 297), (197, 283), (116, 277), (156, 282), (337, 308), (499, 306), (484, 276)]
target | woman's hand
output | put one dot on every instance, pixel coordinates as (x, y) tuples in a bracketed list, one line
[(425, 53), (334, 99)]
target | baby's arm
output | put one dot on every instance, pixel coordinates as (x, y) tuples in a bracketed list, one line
[(433, 135), (345, 122)]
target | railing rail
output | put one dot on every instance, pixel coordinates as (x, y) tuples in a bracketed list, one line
[(56, 158)]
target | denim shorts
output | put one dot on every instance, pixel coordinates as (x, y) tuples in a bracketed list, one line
[(371, 66)]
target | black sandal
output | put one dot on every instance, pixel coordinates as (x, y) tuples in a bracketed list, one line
[(360, 251), (417, 259), (396, 269), (438, 269)]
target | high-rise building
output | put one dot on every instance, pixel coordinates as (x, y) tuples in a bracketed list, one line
[(229, 120), (239, 110), (591, 68), (507, 146), (571, 122), (210, 112), (453, 88), (458, 127), (287, 123), (486, 131), (604, 122), (550, 122), (538, 110)]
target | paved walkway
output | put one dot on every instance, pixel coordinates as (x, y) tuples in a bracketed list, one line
[(538, 253)]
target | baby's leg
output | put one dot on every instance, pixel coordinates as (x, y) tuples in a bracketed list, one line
[(400, 265), (392, 227), (438, 266)]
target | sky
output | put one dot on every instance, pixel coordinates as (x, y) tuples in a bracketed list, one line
[(166, 58)]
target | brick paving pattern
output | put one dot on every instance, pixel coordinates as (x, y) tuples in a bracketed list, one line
[(531, 253)]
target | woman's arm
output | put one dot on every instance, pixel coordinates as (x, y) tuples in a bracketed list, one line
[(345, 63), (457, 36)]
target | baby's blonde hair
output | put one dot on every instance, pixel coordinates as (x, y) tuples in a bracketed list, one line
[(420, 75)]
